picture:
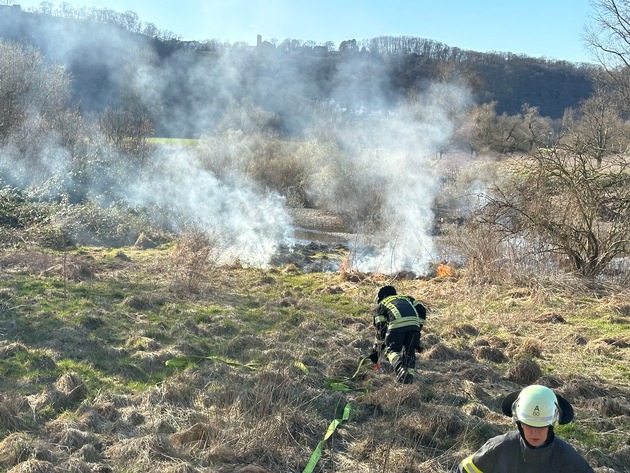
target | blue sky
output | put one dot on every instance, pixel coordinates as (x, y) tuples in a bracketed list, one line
[(540, 28)]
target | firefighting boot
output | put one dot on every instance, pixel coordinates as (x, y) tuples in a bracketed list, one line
[(409, 378), (402, 374)]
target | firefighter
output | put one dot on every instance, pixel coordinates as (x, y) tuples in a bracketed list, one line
[(533, 447), (398, 320)]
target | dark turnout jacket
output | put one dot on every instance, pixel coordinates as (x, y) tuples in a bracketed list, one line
[(508, 453), (399, 312)]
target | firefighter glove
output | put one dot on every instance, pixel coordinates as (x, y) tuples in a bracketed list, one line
[(374, 357)]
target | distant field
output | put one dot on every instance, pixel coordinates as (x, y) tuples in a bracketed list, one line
[(173, 141)]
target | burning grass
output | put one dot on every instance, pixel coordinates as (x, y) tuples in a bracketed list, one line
[(85, 358)]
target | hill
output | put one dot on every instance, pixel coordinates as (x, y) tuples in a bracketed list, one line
[(87, 385), (195, 82)]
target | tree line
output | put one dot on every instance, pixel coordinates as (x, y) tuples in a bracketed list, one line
[(510, 80), (128, 20)]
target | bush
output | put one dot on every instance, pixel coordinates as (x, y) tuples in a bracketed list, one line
[(61, 224)]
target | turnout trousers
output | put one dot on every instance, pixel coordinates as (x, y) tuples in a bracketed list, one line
[(400, 350)]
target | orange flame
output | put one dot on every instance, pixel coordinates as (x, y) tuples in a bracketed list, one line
[(443, 270)]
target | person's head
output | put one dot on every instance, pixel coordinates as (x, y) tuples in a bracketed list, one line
[(536, 410), (535, 436), (384, 292)]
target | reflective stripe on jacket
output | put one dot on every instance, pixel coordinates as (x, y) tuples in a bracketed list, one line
[(400, 311), (508, 454)]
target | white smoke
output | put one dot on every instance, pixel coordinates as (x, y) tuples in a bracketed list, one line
[(244, 225), (397, 158), (389, 148)]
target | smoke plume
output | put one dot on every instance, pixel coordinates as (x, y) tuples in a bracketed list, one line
[(385, 148)]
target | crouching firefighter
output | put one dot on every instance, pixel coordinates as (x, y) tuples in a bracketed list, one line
[(398, 320)]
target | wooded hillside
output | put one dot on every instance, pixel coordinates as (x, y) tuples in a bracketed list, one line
[(102, 49)]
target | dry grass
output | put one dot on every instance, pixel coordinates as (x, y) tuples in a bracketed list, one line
[(481, 342), (33, 466), (11, 408)]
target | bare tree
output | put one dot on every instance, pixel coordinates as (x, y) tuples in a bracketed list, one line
[(131, 22), (16, 66), (128, 125), (608, 38), (535, 128), (596, 128), (568, 204), (608, 33), (483, 130), (31, 89), (475, 127)]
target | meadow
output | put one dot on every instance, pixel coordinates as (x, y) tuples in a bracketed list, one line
[(132, 359)]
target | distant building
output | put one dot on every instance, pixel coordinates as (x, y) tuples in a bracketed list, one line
[(263, 44)]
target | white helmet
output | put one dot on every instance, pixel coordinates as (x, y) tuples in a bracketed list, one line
[(536, 406)]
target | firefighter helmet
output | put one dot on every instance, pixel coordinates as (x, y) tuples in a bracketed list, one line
[(384, 292), (537, 406)]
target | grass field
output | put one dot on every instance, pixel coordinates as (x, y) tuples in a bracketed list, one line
[(128, 360)]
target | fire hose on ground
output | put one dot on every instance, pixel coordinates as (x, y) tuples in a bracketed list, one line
[(336, 384)]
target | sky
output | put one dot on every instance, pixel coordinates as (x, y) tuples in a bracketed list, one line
[(551, 29)]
